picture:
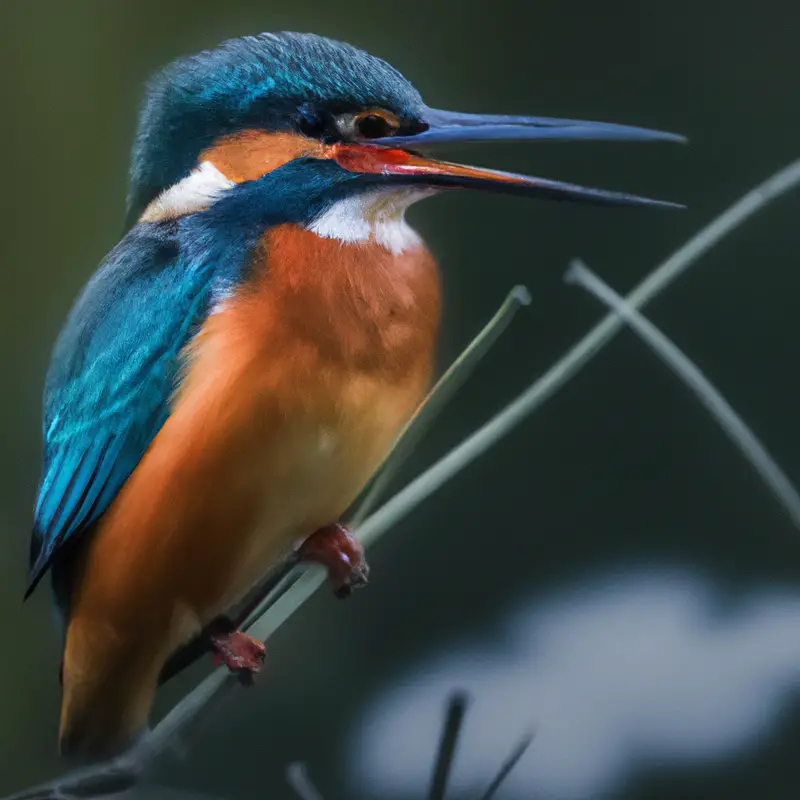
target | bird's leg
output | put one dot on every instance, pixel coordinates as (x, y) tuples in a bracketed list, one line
[(337, 549), (240, 652)]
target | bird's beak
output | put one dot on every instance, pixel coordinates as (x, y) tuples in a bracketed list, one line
[(398, 156)]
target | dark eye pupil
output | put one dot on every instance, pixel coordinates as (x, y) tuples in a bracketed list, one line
[(373, 126)]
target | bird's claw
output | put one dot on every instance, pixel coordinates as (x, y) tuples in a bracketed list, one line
[(340, 552), (240, 652)]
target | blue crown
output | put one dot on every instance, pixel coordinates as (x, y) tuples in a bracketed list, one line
[(274, 81)]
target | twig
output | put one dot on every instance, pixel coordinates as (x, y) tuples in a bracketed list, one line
[(579, 355), (509, 764), (444, 390), (421, 488), (443, 766), (297, 775), (734, 426)]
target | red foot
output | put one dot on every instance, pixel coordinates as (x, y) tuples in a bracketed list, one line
[(335, 548), (239, 652)]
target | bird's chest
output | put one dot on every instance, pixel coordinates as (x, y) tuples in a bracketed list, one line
[(310, 371)]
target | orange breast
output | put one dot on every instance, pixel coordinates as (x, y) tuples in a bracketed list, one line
[(294, 392)]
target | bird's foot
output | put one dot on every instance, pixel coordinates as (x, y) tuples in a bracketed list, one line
[(240, 653), (337, 549)]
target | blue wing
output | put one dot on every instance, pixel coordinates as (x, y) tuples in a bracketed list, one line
[(112, 374), (117, 360)]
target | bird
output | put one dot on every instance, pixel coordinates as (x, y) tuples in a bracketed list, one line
[(242, 361)]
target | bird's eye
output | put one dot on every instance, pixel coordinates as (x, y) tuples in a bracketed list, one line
[(375, 124), (372, 123)]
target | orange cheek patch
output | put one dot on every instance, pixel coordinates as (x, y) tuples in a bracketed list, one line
[(247, 155)]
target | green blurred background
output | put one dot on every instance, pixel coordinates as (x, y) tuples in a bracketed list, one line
[(622, 473)]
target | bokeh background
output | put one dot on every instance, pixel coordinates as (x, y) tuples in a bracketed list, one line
[(612, 575)]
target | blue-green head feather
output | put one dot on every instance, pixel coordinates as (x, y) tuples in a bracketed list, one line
[(274, 81)]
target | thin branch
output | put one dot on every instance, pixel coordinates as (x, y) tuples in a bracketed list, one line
[(508, 765), (446, 387), (734, 426), (444, 390), (443, 766), (402, 504), (581, 353), (576, 358)]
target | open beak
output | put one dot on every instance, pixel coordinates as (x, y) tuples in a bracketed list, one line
[(398, 156)]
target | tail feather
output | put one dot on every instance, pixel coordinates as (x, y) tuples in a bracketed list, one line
[(109, 684)]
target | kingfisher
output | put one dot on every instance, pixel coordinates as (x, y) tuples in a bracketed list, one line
[(241, 363)]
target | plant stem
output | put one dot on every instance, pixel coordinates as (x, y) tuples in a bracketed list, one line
[(721, 410)]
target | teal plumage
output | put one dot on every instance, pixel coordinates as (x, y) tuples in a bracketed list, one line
[(117, 361), (273, 81), (115, 364)]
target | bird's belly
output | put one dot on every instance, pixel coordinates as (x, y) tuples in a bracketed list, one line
[(234, 480), (310, 472), (293, 393), (306, 379)]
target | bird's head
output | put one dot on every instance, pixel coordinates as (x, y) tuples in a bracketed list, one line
[(247, 108)]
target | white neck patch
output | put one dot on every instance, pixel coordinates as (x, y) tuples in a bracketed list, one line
[(377, 216), (196, 192)]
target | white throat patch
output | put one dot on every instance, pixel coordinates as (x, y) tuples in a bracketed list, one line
[(196, 192), (377, 216)]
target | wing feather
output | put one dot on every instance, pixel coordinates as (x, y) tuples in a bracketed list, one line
[(118, 359), (113, 372)]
